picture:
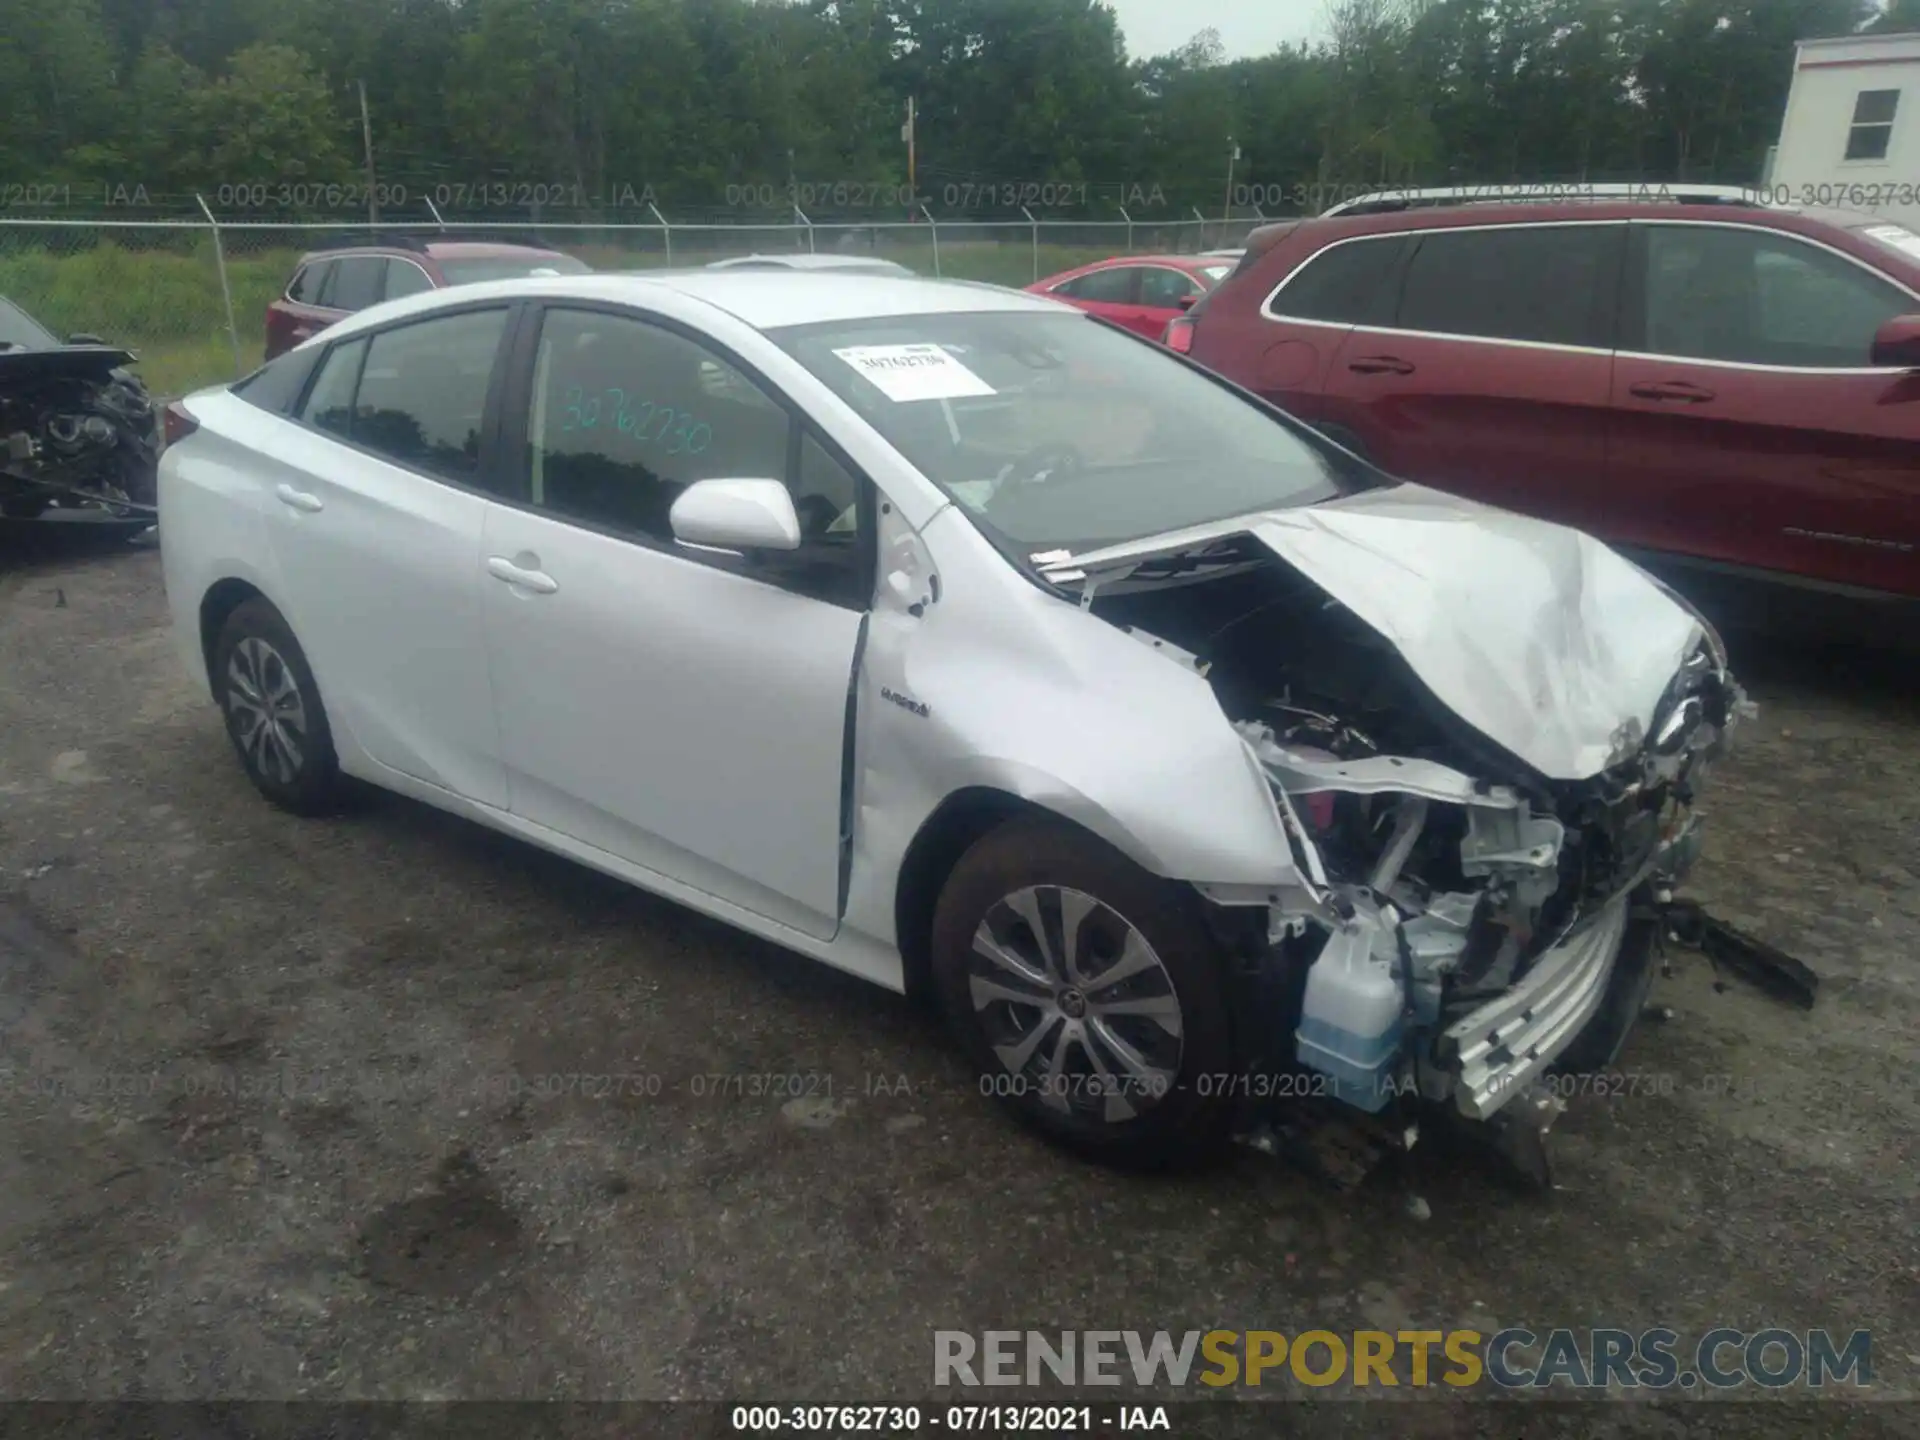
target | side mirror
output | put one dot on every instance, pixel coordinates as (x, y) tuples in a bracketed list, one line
[(737, 515), (85, 339), (1186, 302), (1897, 343)]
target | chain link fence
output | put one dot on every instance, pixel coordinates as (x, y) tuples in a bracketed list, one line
[(189, 296)]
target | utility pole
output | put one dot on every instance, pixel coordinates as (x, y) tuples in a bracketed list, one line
[(366, 136), (906, 134), (1226, 220)]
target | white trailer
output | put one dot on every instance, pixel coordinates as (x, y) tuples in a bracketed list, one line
[(1850, 138)]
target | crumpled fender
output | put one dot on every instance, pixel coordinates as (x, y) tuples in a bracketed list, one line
[(1024, 693)]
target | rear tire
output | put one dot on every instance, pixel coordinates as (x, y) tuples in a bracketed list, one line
[(1109, 1036), (273, 712)]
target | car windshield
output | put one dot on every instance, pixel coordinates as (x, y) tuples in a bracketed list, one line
[(1057, 431), (1216, 273), (510, 267), (20, 331), (1896, 237)]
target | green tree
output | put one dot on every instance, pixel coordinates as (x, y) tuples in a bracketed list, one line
[(268, 118), (57, 79)]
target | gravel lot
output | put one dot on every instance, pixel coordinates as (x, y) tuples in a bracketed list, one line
[(272, 1128)]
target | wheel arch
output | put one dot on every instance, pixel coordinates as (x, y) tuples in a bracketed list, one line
[(955, 825), (223, 597)]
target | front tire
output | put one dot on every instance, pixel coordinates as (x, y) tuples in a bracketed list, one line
[(273, 712), (1088, 994)]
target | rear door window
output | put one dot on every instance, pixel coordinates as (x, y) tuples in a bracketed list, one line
[(422, 397), (1548, 284), (276, 385), (405, 278), (1117, 285), (1348, 283), (329, 404), (1165, 288)]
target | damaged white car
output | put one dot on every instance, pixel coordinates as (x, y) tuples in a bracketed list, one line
[(958, 639)]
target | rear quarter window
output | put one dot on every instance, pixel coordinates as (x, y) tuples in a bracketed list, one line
[(1348, 283), (309, 282), (276, 386)]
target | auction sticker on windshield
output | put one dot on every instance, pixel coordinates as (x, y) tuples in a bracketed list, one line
[(914, 372)]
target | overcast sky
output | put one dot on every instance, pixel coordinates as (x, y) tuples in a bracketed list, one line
[(1247, 27)]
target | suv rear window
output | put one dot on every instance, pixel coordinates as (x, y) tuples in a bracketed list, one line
[(1549, 284), (1348, 283)]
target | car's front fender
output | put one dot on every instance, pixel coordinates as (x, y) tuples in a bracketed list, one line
[(1004, 688)]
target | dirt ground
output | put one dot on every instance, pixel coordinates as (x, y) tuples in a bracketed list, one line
[(277, 1122)]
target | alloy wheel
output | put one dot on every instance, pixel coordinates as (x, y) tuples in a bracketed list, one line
[(266, 711), (1075, 1003)]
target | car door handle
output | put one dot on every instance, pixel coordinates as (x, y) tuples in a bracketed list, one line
[(1671, 390), (299, 499), (537, 581), (1380, 365)]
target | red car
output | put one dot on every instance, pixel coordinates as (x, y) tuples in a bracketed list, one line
[(1699, 378), (1141, 292), (331, 283)]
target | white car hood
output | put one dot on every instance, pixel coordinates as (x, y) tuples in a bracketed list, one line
[(1538, 636)]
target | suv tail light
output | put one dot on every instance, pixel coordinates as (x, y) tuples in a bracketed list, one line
[(177, 424), (1179, 335)]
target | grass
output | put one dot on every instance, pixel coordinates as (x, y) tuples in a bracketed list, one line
[(162, 299)]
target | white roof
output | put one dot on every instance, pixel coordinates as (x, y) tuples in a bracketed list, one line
[(809, 262), (766, 299), (763, 299)]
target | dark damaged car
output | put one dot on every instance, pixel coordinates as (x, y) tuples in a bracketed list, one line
[(77, 427)]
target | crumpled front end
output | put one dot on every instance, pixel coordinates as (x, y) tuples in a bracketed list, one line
[(1463, 935), (1486, 735), (77, 430)]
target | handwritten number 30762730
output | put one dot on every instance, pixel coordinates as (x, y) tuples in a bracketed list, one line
[(644, 421)]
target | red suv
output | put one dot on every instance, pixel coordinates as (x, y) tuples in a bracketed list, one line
[(1700, 378), (332, 283)]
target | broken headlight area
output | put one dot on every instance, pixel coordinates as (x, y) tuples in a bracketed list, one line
[(1472, 933), (1461, 923), (77, 430)]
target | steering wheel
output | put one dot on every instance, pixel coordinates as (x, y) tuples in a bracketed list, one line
[(1052, 461)]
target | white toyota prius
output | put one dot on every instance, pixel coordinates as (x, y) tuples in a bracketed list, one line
[(961, 640)]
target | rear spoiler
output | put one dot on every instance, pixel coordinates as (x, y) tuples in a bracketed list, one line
[(1260, 241)]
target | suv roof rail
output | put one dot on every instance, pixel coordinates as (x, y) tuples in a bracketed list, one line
[(1382, 202), (526, 239), (370, 239)]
